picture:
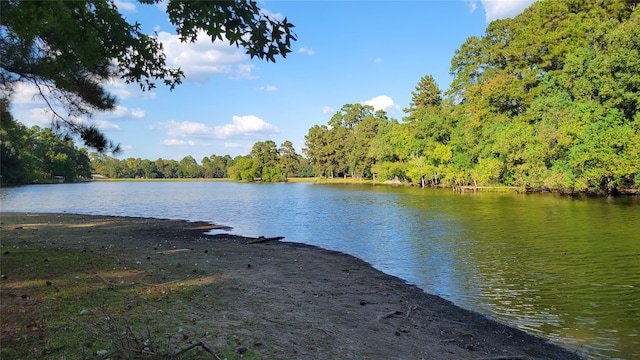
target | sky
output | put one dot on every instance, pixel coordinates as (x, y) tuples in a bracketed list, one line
[(358, 51)]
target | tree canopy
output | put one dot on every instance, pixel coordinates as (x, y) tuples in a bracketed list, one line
[(69, 49), (549, 99), (35, 155)]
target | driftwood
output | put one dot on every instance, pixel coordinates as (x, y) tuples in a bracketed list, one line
[(262, 239), (411, 308), (192, 346), (389, 314)]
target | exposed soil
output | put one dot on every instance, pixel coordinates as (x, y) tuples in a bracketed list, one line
[(256, 298)]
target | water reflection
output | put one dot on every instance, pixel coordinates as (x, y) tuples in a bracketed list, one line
[(560, 268), (564, 268)]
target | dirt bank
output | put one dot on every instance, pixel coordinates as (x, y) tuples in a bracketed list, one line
[(95, 286)]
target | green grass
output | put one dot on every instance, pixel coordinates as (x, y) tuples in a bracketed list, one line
[(65, 303)]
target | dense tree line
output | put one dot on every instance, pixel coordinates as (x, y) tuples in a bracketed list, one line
[(29, 155), (548, 99), (346, 146), (265, 162)]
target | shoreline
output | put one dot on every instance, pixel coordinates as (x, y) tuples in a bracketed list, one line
[(240, 296), (520, 189)]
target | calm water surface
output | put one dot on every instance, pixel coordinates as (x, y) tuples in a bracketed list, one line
[(564, 268)]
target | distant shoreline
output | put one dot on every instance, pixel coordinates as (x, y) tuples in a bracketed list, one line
[(456, 188)]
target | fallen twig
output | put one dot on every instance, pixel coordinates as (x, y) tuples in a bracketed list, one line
[(411, 308), (199, 344), (389, 314), (263, 239), (448, 340)]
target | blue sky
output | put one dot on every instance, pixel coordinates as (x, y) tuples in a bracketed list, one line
[(369, 52)]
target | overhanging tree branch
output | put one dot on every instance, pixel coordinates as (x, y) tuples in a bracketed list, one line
[(73, 47)]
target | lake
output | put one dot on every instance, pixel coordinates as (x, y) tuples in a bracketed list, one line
[(565, 268)]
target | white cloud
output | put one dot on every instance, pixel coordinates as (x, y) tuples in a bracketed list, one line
[(378, 60), (43, 117), (177, 142), (187, 128), (162, 5), (40, 116), (203, 59), (245, 126), (24, 93), (304, 50), (105, 125), (241, 126), (500, 9), (120, 112), (243, 71), (28, 107), (473, 5), (101, 124), (124, 91), (382, 102), (327, 110), (125, 6), (232, 145), (138, 113), (278, 16), (267, 88)]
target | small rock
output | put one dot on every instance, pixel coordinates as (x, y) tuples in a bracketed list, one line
[(85, 312), (242, 349), (49, 283), (3, 276), (102, 353)]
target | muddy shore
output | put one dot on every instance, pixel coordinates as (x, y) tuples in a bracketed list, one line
[(171, 290)]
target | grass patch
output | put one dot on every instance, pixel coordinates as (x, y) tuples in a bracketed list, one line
[(74, 304)]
